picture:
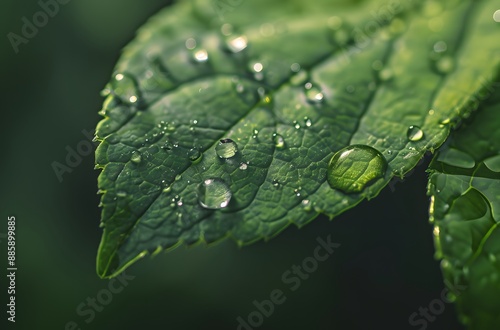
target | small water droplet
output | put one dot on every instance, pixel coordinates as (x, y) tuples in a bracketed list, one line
[(276, 183), (307, 122), (313, 93), (296, 124), (306, 205), (226, 148), (414, 133), (136, 157), (194, 154), (279, 141), (255, 134), (178, 177), (125, 88), (200, 56), (237, 44), (214, 194), (351, 169), (243, 166)]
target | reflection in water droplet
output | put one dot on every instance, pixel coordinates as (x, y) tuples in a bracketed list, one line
[(214, 194), (351, 169), (226, 148), (136, 157), (237, 44), (414, 133), (313, 93), (279, 141)]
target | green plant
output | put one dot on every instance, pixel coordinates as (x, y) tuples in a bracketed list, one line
[(238, 121)]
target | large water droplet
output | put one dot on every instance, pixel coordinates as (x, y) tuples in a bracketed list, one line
[(279, 141), (313, 93), (214, 194), (237, 44), (351, 169), (125, 88), (226, 148), (414, 133)]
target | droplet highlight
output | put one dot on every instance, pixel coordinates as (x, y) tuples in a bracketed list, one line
[(414, 133)]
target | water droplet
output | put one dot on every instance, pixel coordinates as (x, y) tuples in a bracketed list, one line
[(200, 56), (351, 169), (125, 88), (226, 148), (414, 133), (493, 163), (307, 122), (279, 141), (178, 177), (431, 112), (296, 124), (167, 189), (276, 183), (255, 134), (243, 166), (237, 44), (136, 157), (306, 204), (496, 16), (194, 154), (313, 93), (214, 194)]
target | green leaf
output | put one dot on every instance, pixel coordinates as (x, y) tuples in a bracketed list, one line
[(465, 210), (291, 84)]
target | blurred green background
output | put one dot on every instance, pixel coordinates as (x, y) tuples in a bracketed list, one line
[(383, 271)]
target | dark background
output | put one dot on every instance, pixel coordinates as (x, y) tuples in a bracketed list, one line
[(383, 271)]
